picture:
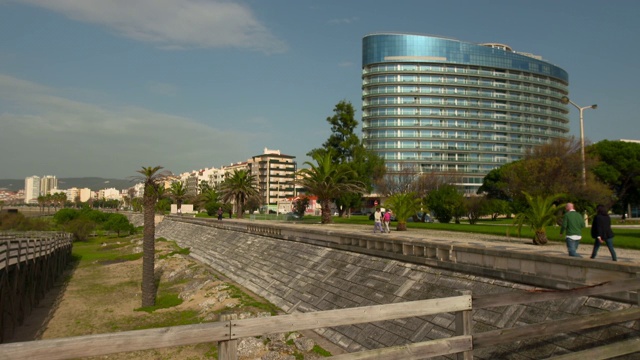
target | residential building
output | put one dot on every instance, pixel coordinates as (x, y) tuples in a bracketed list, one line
[(109, 194), (72, 194), (275, 174), (434, 104), (31, 189), (48, 185)]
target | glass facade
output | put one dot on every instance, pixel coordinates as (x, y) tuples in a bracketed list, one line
[(438, 104)]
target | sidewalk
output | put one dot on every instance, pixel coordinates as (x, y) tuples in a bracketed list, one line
[(552, 248)]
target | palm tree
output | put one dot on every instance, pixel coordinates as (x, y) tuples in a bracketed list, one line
[(541, 212), (404, 206), (178, 192), (59, 199), (208, 196), (41, 202), (328, 180), (151, 177), (240, 186)]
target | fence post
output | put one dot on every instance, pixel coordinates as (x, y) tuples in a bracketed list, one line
[(464, 326), (228, 349)]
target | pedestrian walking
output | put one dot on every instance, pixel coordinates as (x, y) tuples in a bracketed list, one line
[(387, 220), (601, 232), (572, 225), (377, 221), (220, 212)]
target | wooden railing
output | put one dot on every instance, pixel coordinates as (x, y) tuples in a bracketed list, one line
[(29, 265), (226, 333)]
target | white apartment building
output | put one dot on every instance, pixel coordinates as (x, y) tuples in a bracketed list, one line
[(47, 184), (109, 194), (31, 189)]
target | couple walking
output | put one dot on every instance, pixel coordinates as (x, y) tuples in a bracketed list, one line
[(380, 219), (573, 223)]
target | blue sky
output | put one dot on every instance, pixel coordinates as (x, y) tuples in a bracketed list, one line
[(103, 87)]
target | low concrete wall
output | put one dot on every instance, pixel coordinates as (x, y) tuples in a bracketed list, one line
[(541, 268), (302, 270)]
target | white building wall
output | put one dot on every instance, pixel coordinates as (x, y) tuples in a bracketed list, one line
[(31, 189)]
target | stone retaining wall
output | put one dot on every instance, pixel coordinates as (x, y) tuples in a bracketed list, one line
[(302, 277)]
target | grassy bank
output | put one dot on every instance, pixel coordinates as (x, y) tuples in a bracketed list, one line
[(103, 291)]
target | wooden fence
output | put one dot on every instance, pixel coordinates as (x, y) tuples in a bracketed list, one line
[(29, 265), (227, 333)]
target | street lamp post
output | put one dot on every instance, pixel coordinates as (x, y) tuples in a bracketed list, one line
[(566, 100)]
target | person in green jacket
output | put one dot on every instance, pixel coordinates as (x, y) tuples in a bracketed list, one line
[(572, 225)]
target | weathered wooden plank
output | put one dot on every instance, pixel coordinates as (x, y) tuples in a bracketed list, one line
[(103, 344), (330, 318), (228, 350), (550, 328), (421, 350), (604, 352), (525, 297)]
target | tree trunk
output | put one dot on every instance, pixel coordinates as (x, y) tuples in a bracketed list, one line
[(540, 238), (326, 212), (148, 255), (402, 226), (239, 211)]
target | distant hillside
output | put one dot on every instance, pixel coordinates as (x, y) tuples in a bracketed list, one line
[(93, 183)]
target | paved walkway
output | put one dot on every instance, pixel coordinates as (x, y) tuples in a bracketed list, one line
[(553, 248)]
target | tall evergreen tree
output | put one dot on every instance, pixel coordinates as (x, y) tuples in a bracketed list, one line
[(347, 149)]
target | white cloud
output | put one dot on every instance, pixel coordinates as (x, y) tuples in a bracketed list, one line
[(46, 133), (173, 24), (344, 20)]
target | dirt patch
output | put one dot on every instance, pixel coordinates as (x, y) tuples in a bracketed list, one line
[(104, 297)]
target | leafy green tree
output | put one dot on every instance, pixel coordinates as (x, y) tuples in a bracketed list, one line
[(327, 180), (495, 186), (477, 206), (542, 212), (118, 223), (151, 177), (403, 206), (346, 148), (300, 205), (618, 166), (178, 192), (66, 215), (548, 169), (204, 186), (136, 204), (445, 202), (81, 228), (367, 167), (13, 221), (96, 216), (343, 139), (497, 207), (238, 187)]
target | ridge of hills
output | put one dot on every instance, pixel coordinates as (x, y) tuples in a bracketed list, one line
[(93, 183)]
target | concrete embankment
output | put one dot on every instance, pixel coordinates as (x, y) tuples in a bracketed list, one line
[(302, 277)]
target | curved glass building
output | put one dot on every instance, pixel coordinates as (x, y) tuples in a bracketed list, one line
[(438, 104)]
